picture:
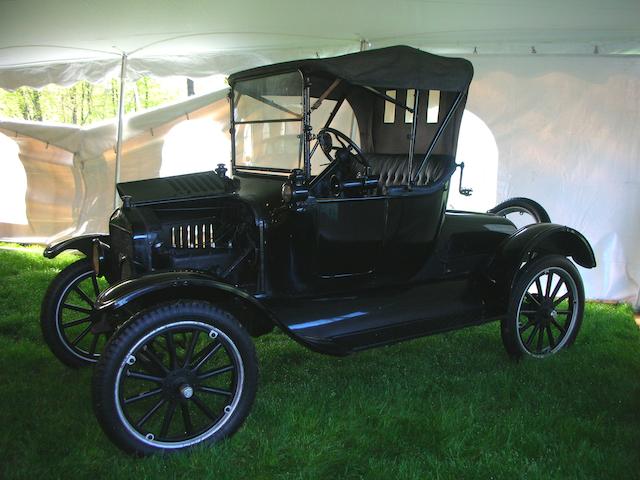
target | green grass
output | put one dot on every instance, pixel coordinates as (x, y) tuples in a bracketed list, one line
[(447, 406)]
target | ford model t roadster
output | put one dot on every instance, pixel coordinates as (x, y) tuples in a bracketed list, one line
[(330, 226)]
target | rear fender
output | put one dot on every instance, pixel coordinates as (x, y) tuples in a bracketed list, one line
[(142, 292), (532, 240), (83, 243)]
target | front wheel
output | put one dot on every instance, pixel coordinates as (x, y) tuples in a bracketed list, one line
[(545, 309), (177, 375), (66, 315)]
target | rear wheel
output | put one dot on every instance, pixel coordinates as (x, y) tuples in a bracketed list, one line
[(175, 376), (545, 309), (66, 315), (521, 211)]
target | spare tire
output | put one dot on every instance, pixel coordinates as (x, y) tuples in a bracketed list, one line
[(522, 205)]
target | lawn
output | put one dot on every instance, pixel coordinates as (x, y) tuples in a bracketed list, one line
[(447, 406)]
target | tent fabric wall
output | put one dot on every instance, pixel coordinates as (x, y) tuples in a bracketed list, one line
[(566, 130), (52, 189), (142, 157), (71, 170)]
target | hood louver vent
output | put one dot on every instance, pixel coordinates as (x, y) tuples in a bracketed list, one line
[(189, 185), (190, 236), (181, 187)]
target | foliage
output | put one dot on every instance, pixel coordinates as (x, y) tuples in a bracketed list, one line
[(446, 406), (83, 103)]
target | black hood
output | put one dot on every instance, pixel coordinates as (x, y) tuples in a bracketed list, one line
[(193, 186)]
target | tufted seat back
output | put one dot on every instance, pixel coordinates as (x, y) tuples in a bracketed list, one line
[(393, 169)]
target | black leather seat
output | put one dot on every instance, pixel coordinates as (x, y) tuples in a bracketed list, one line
[(393, 169)]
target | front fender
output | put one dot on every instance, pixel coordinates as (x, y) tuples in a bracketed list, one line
[(539, 238), (165, 286), (83, 243)]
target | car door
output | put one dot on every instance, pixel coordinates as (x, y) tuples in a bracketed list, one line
[(413, 221), (348, 237)]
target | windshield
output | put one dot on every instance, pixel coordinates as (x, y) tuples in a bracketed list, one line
[(268, 122)]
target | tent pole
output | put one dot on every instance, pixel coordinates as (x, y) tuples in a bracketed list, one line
[(123, 72)]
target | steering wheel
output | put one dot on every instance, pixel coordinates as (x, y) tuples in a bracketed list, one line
[(326, 144)]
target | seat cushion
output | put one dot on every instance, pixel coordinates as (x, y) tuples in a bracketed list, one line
[(393, 169)]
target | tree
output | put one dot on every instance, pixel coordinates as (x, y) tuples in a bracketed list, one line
[(83, 103)]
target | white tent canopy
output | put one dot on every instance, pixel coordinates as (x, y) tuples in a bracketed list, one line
[(62, 42), (553, 112)]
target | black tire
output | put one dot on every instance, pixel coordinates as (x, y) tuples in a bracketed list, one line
[(150, 393), (522, 205), (65, 315), (538, 323)]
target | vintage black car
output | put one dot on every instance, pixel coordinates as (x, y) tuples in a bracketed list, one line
[(331, 226)]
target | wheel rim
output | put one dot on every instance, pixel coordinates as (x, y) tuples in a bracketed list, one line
[(179, 384), (75, 319), (547, 312)]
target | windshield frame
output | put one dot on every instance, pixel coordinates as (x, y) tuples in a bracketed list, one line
[(304, 129)]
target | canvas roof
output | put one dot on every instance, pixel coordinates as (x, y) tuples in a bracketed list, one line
[(391, 67)]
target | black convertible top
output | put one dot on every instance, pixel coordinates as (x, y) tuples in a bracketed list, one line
[(391, 67)]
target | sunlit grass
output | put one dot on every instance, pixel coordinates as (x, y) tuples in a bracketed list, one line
[(447, 406)]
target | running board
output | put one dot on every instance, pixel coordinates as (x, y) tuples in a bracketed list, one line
[(350, 322)]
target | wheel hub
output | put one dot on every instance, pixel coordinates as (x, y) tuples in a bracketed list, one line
[(546, 313), (186, 391), (180, 384)]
